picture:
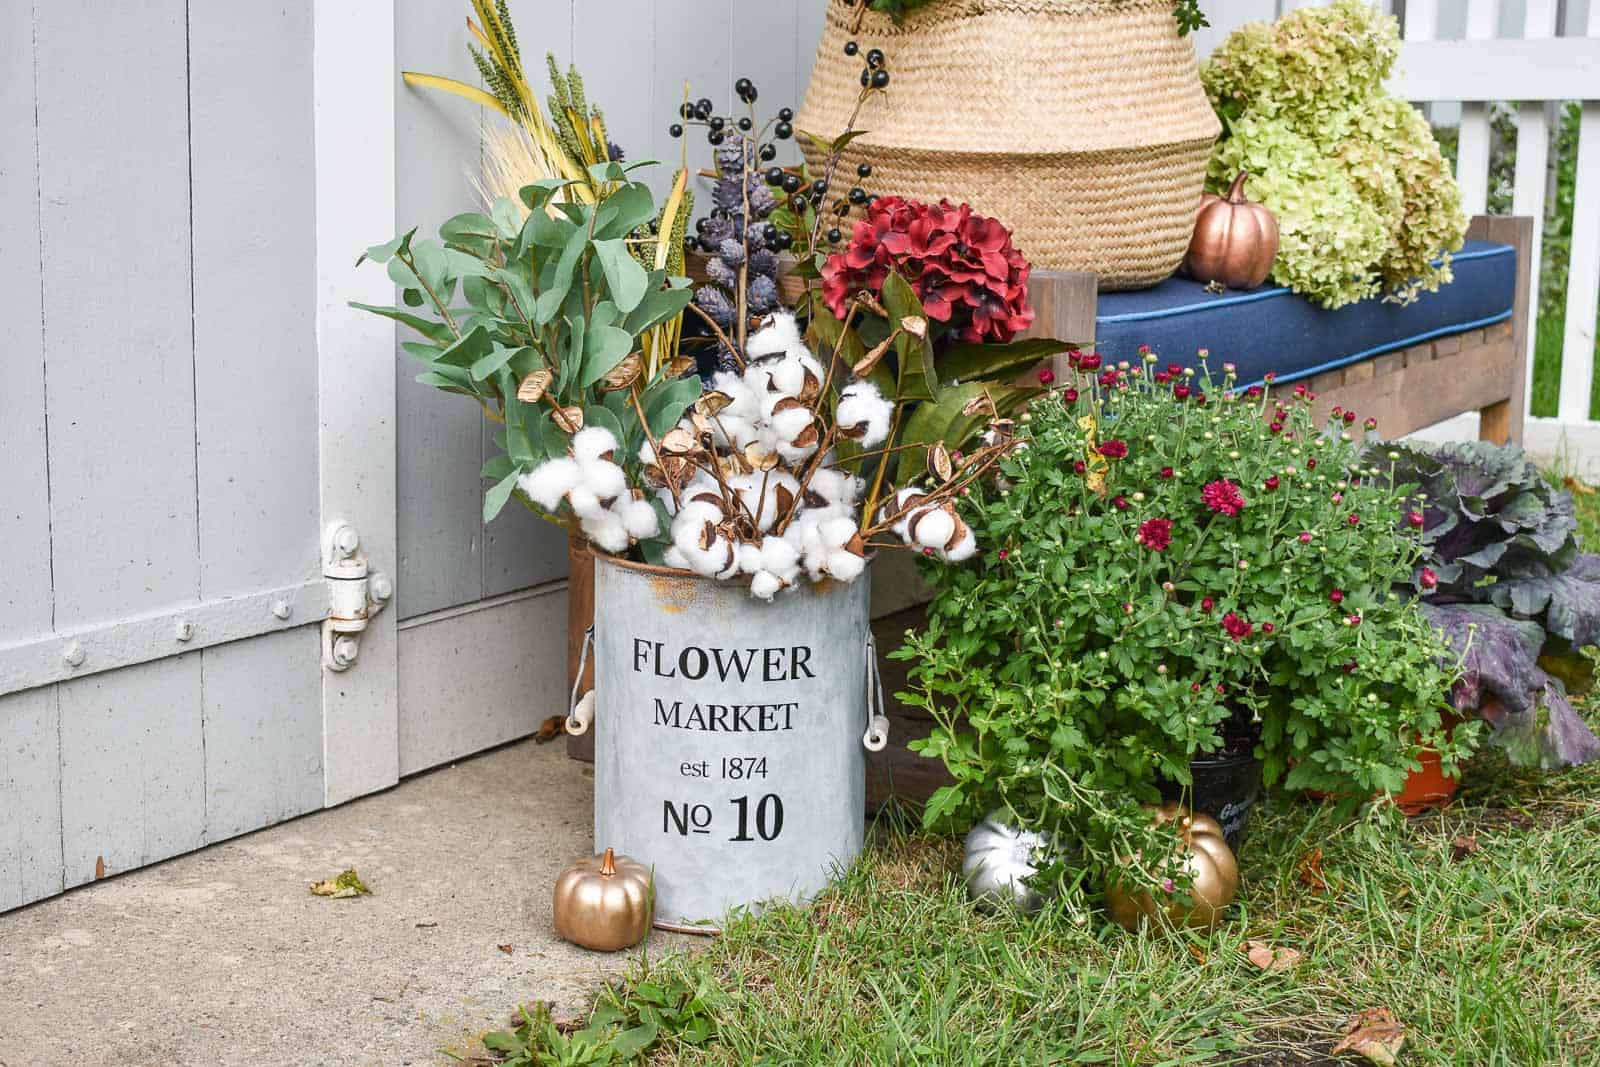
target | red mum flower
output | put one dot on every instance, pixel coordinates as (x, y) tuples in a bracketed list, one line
[(1155, 534), (1275, 427), (1349, 417), (1429, 579), (1305, 537), (1311, 464), (1336, 595), (1069, 395), (1415, 519), (1206, 604), (1237, 628), (1174, 369), (1267, 628), (1161, 377), (1181, 392), (1113, 449), (1224, 497), (1120, 503), (1166, 472), (1254, 391), (1354, 520), (1079, 467), (1271, 484), (1046, 375), (1089, 361), (962, 266)]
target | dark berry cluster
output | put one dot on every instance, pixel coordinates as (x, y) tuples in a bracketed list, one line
[(743, 246)]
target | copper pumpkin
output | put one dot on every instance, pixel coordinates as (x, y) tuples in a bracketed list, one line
[(604, 903), (1202, 852), (1234, 241)]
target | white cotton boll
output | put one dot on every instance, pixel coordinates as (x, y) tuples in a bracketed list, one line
[(674, 557), (863, 414), (692, 518), (788, 374), (795, 455), (551, 480), (592, 442), (965, 548), (835, 533), (789, 422), (778, 555), (932, 527), (765, 585), (780, 334), (845, 565), (584, 503), (836, 487), (894, 506), (665, 496), (606, 531), (733, 432), (603, 478), (749, 557), (743, 403), (639, 518)]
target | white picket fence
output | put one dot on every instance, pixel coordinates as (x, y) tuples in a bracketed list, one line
[(1527, 54)]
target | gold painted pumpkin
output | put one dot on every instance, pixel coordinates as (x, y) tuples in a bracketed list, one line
[(1201, 850), (1234, 242), (605, 902)]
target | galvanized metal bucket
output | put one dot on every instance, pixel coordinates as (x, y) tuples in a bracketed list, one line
[(730, 752)]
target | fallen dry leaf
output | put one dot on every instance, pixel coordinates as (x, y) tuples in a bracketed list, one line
[(1375, 1035), (342, 886), (1575, 486), (1464, 846), (1309, 868), (1269, 958), (507, 949), (550, 729), (1197, 952)]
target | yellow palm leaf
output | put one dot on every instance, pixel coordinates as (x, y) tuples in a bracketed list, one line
[(458, 88)]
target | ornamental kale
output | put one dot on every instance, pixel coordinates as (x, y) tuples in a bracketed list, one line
[(1226, 577), (1506, 584)]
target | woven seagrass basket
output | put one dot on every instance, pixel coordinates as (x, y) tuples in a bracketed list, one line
[(1080, 124)]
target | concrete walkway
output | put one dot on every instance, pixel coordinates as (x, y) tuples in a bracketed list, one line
[(223, 957)]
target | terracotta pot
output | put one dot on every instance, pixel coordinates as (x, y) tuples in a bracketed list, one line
[(1429, 787)]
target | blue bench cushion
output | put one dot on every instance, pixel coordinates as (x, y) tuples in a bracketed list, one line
[(1273, 330)]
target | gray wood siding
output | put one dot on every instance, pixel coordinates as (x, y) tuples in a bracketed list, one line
[(158, 421)]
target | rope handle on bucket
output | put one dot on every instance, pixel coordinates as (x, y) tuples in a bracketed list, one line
[(876, 739), (580, 713)]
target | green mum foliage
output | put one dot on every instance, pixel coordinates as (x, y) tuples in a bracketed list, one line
[(1364, 199)]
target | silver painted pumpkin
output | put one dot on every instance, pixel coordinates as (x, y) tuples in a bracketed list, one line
[(998, 862)]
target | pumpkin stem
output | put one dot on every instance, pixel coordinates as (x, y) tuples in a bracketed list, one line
[(1236, 190), (608, 863)]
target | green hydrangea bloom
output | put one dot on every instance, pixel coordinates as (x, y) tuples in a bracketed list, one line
[(1364, 199)]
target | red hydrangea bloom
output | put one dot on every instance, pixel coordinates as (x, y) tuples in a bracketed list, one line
[(1113, 449), (1155, 534), (1237, 628), (1223, 497), (962, 265)]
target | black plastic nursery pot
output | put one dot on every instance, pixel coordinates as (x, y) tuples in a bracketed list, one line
[(1225, 787)]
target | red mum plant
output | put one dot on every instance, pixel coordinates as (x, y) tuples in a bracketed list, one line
[(1237, 627), (962, 266), (1223, 497), (1155, 534)]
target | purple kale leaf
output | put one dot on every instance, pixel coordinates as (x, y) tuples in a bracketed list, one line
[(1502, 681), (1567, 601)]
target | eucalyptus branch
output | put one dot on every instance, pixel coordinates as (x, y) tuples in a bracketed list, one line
[(444, 313)]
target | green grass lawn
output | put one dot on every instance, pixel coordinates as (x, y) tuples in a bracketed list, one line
[(1478, 927)]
